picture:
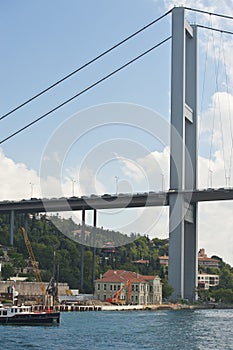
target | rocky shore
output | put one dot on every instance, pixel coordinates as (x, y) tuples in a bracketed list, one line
[(188, 306)]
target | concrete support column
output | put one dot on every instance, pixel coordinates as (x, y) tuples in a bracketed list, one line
[(12, 220), (183, 161), (26, 222), (94, 249), (82, 250), (190, 231)]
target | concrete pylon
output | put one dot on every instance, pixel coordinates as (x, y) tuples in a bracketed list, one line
[(12, 220), (182, 270)]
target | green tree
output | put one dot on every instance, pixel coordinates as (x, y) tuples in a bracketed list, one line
[(167, 290), (7, 271), (226, 278), (223, 295)]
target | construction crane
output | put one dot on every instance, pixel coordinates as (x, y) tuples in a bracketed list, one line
[(34, 263), (115, 299)]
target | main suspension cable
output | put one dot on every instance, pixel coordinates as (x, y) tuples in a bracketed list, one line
[(86, 89), (209, 13), (85, 65), (215, 29)]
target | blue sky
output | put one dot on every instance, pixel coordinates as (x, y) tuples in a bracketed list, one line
[(42, 41)]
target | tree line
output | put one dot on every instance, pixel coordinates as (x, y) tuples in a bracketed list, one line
[(59, 254)]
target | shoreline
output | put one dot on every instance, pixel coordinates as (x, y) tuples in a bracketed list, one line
[(156, 307), (159, 307), (188, 306)]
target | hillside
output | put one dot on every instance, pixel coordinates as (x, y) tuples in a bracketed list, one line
[(59, 252), (46, 240)]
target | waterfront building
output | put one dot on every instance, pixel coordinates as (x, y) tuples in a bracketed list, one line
[(206, 280), (134, 288)]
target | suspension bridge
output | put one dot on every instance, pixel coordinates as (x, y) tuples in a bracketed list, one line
[(184, 195)]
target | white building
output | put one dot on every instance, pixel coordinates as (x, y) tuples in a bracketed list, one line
[(206, 280)]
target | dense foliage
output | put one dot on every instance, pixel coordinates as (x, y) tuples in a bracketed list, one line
[(224, 291), (61, 254)]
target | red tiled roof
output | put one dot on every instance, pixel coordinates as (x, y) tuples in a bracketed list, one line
[(200, 258), (163, 257), (141, 261), (207, 259), (122, 276), (148, 278)]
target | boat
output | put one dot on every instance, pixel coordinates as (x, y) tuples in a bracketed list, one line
[(24, 315)]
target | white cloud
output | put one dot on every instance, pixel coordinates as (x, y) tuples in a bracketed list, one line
[(215, 229), (15, 179), (215, 219), (151, 169), (217, 129)]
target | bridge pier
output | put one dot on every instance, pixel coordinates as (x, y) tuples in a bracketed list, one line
[(94, 249), (182, 270), (12, 221), (82, 250)]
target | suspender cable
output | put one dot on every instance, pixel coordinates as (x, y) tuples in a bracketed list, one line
[(229, 116), (217, 64)]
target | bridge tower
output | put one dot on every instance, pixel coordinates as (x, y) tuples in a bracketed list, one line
[(182, 270)]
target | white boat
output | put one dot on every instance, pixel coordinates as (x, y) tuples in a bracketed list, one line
[(24, 315)]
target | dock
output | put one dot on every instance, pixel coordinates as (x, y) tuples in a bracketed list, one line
[(105, 307)]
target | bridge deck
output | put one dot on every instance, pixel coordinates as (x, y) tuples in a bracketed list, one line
[(108, 201)]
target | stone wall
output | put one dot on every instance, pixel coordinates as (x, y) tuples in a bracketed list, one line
[(30, 288)]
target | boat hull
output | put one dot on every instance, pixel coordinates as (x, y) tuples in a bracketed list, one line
[(32, 319)]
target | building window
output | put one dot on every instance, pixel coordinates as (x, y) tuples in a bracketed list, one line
[(98, 286), (132, 287), (105, 287), (110, 286), (136, 287), (115, 287)]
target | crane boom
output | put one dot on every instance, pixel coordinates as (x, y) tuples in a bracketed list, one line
[(115, 299), (33, 260)]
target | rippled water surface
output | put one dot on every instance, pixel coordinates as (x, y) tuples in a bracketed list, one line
[(198, 329)]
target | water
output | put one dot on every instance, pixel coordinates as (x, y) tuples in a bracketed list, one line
[(138, 330)]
